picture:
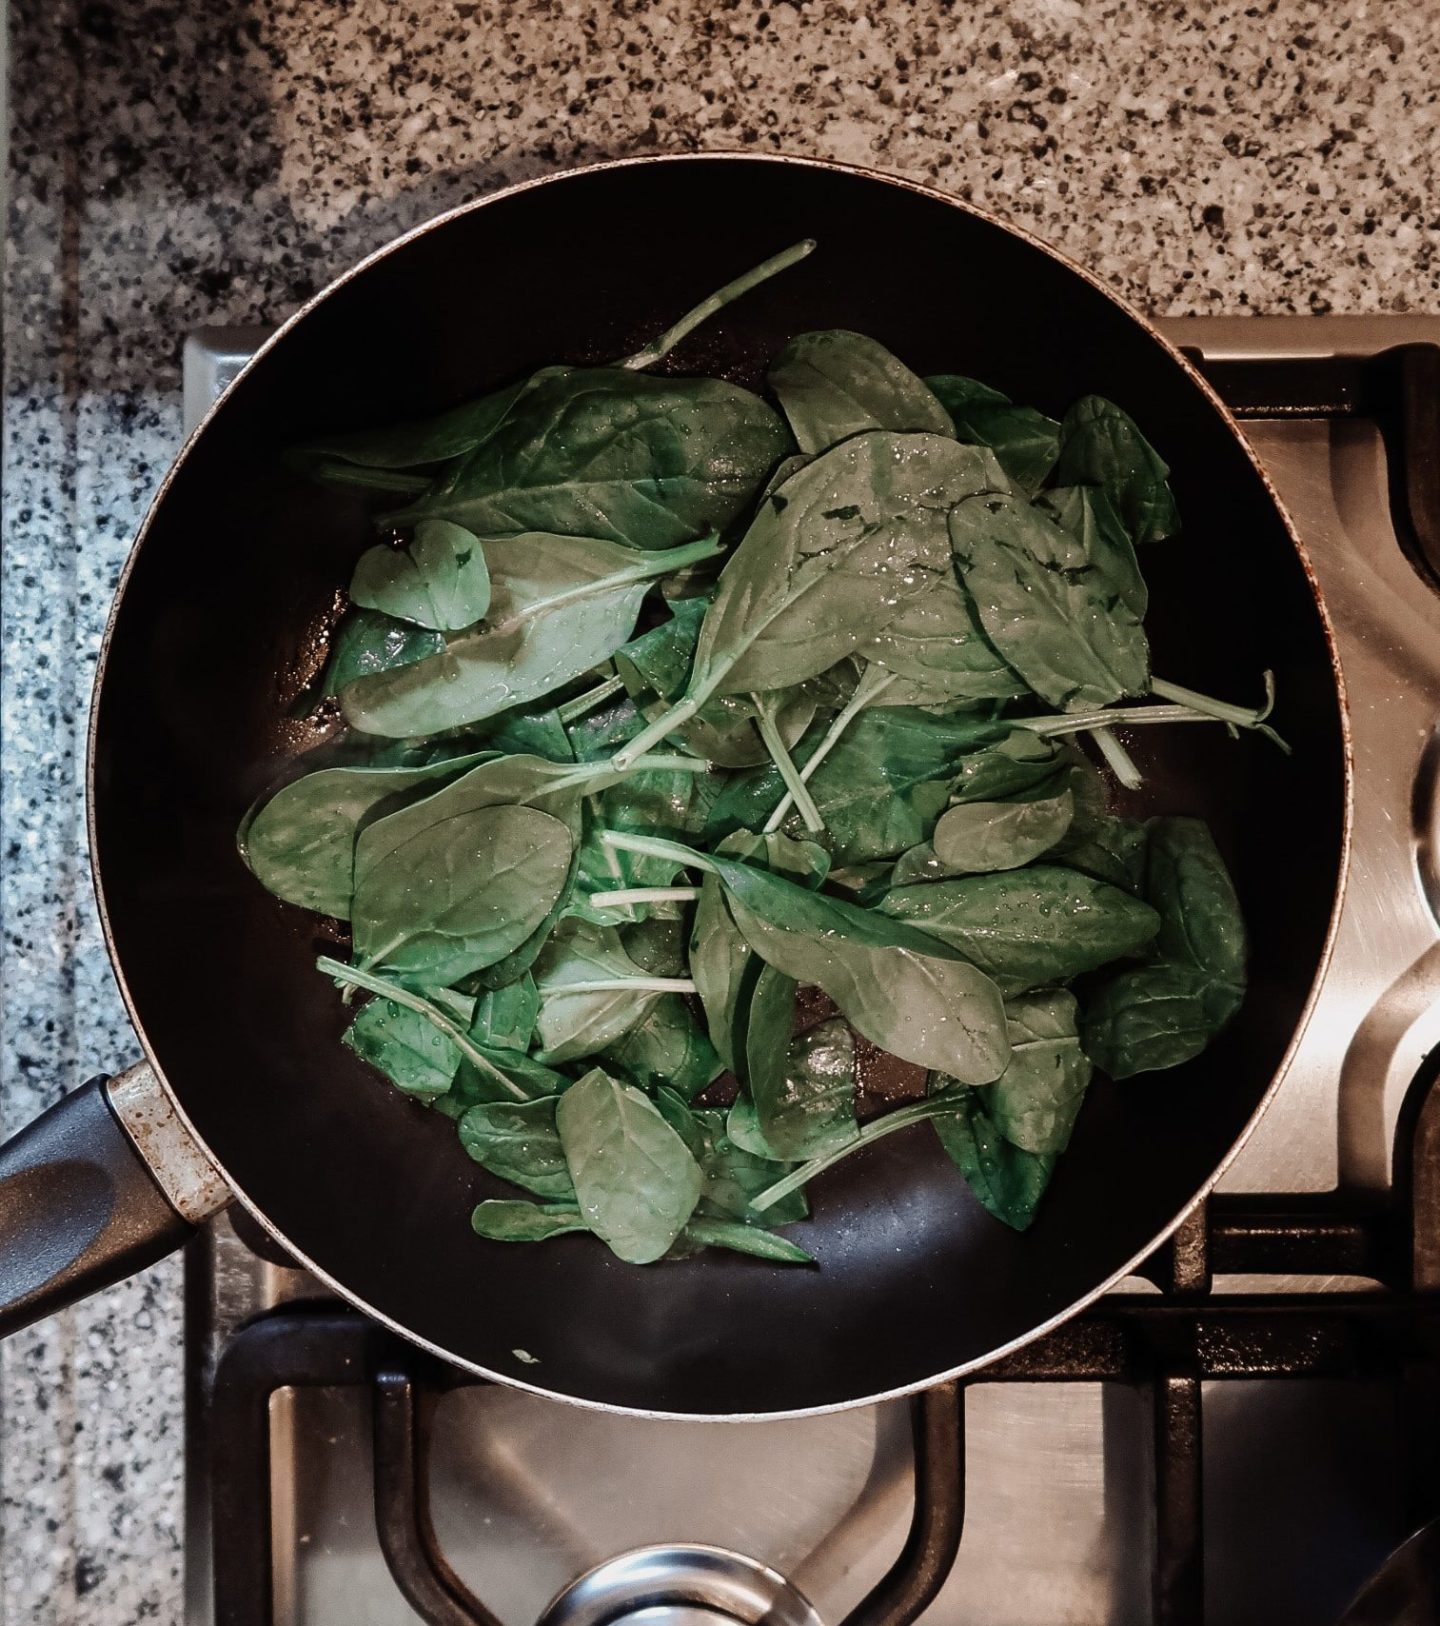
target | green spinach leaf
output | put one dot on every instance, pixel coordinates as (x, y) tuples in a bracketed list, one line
[(1101, 446), (806, 1108), (635, 1180), (1087, 513), (1163, 1013), (1008, 1181), (508, 1219), (667, 1047), (300, 843), (834, 384), (367, 642), (741, 1238), (562, 604), (1027, 927), (518, 1141), (439, 581), (1056, 618), (591, 991), (415, 1056), (973, 837), (1035, 1101), (461, 893), (611, 453), (1025, 441)]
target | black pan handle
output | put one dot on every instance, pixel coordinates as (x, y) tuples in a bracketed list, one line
[(103, 1184)]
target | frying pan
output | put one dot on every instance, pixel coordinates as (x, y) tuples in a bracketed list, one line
[(248, 1093)]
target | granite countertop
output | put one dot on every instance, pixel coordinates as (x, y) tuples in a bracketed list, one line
[(178, 165)]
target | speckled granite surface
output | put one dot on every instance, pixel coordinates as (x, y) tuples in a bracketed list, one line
[(179, 164)]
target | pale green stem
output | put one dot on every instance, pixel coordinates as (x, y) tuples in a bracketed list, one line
[(865, 692), (619, 985), (574, 709), (655, 565), (612, 861), (675, 717), (656, 847), (352, 976), (659, 348), (1241, 716), (626, 897), (1122, 764), (336, 471), (937, 1106), (780, 756), (1078, 722)]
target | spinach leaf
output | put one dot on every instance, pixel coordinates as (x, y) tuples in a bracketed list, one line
[(878, 790), (763, 1038), (977, 836), (721, 961), (611, 453), (1027, 927), (508, 1219), (903, 990), (636, 1182), (734, 1175), (440, 580), (527, 1076), (1015, 764), (439, 439), (531, 731), (300, 844), (415, 1056), (1107, 846), (806, 1107), (1050, 612), (505, 1017), (1035, 1101), (1087, 513), (591, 991), (517, 1141), (834, 384), (1101, 446), (825, 565), (1165, 1012), (562, 604), (656, 666), (461, 893), (740, 1238), (1025, 441), (1008, 1181), (667, 1047), (367, 642), (657, 945)]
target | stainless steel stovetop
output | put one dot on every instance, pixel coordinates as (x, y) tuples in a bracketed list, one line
[(1300, 1497)]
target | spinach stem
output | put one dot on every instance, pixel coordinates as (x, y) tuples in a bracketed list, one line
[(675, 716), (657, 349), (1078, 722), (612, 860), (336, 471), (780, 756), (1122, 764), (618, 985), (351, 976), (656, 847), (937, 1106), (1241, 716), (626, 897), (865, 692), (654, 564), (582, 703)]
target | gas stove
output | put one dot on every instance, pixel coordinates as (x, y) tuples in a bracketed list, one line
[(1242, 1434)]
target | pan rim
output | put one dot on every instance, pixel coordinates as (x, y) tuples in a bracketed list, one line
[(1217, 404)]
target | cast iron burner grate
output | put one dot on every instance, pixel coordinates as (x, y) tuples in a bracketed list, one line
[(1168, 1345)]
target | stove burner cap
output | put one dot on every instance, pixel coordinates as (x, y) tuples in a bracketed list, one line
[(680, 1586)]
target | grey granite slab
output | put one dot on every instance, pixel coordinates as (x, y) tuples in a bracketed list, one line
[(174, 165)]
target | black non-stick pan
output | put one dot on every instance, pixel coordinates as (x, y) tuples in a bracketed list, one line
[(234, 579)]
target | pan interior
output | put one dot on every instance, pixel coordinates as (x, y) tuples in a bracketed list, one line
[(240, 566)]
